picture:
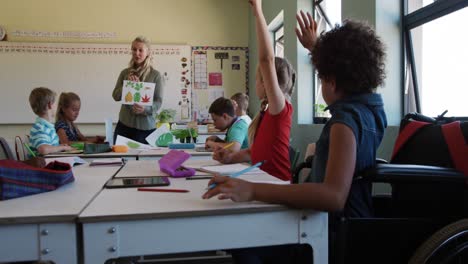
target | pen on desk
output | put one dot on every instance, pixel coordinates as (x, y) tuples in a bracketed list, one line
[(162, 190), (239, 173), (199, 178), (29, 150)]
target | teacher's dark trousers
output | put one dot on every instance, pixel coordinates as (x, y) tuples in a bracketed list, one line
[(131, 133)]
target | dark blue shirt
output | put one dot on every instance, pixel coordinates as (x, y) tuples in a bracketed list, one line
[(365, 116), (72, 133)]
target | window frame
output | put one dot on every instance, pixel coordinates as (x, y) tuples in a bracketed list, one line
[(411, 21), (280, 40), (317, 8)]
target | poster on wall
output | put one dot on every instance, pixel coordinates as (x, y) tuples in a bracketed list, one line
[(217, 72), (215, 79), (174, 64), (200, 69)]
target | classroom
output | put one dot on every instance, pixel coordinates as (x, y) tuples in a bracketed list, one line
[(205, 49)]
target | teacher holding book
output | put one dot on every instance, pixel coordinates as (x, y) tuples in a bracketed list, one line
[(136, 121)]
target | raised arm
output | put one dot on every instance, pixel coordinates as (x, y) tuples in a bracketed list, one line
[(307, 31), (266, 58)]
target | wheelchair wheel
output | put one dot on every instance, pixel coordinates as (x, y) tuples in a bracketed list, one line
[(448, 245)]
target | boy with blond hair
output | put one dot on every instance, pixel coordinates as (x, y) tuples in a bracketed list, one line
[(241, 103), (43, 137)]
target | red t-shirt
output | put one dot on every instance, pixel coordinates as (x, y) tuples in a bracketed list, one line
[(271, 143)]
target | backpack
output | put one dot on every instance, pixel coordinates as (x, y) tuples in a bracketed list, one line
[(423, 140)]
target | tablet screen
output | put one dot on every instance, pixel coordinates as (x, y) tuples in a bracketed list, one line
[(137, 182)]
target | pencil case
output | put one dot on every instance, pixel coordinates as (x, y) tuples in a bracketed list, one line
[(182, 146), (171, 163), (120, 148)]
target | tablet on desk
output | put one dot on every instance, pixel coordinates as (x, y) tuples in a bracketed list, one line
[(137, 182), (202, 149)]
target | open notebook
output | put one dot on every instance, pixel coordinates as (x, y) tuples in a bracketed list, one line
[(228, 169)]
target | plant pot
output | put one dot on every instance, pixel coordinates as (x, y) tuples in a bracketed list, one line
[(159, 124), (182, 140)]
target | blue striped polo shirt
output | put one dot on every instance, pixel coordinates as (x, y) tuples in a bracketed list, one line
[(43, 132)]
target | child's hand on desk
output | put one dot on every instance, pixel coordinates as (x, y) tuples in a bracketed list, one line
[(229, 188), (99, 139), (65, 147), (210, 145), (222, 155)]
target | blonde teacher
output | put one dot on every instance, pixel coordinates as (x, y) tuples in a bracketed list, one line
[(136, 121)]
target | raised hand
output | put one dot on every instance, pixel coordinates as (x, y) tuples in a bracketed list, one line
[(255, 3), (307, 31)]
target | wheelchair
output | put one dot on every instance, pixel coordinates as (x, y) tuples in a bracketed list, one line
[(423, 220)]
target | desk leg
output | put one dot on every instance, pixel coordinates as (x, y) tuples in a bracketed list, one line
[(57, 243), (313, 230)]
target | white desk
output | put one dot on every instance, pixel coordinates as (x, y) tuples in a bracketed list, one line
[(42, 226), (158, 153), (132, 154), (125, 222)]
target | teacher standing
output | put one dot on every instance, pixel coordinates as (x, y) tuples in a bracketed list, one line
[(136, 121)]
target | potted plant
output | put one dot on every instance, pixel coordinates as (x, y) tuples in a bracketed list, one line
[(185, 136), (164, 117)]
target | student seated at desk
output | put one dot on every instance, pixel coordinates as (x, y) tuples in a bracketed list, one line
[(350, 63), (241, 103), (43, 137), (224, 117), (67, 112)]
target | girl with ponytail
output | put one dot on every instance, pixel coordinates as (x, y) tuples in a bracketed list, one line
[(269, 131)]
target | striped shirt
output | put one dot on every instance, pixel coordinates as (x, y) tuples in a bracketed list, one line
[(43, 132)]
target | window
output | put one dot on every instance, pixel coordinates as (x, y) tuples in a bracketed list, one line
[(436, 57), (278, 36), (327, 14)]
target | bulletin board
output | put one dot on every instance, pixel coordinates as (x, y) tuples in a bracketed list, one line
[(217, 72), (91, 71)]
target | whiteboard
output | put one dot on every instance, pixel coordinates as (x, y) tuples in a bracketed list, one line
[(91, 71)]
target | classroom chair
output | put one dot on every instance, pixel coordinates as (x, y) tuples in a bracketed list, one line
[(293, 158), (20, 149), (5, 151)]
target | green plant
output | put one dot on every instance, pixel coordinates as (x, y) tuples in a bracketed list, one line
[(320, 110), (166, 115), (184, 133)]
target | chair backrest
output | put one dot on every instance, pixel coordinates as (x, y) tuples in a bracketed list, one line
[(293, 158), (21, 152), (5, 151)]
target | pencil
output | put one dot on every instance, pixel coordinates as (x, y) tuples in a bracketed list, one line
[(29, 150), (239, 173), (229, 145), (162, 190)]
